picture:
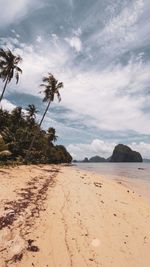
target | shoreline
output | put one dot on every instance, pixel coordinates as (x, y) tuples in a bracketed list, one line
[(139, 185), (68, 217)]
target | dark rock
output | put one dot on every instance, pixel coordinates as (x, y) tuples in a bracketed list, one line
[(97, 159), (85, 160), (124, 153)]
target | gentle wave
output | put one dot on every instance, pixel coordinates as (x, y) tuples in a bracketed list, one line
[(135, 175), (126, 170)]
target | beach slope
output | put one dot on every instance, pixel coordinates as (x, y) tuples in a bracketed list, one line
[(52, 216)]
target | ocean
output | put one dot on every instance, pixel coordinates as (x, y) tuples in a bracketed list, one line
[(126, 170), (135, 175)]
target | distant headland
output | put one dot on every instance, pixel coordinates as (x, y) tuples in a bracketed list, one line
[(121, 153)]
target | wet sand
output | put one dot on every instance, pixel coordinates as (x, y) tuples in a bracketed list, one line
[(52, 216)]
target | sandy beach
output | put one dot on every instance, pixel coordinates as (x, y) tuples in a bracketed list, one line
[(56, 216)]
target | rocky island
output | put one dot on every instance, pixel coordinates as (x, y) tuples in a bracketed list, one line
[(123, 153)]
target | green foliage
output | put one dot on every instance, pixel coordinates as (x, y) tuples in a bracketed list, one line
[(4, 152), (25, 139), (51, 135), (8, 68), (51, 88), (3, 147), (17, 131)]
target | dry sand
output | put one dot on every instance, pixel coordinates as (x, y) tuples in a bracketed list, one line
[(52, 216)]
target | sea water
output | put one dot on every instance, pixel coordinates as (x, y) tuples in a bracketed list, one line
[(127, 170), (136, 175)]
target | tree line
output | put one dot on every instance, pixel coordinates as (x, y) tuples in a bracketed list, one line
[(20, 132)]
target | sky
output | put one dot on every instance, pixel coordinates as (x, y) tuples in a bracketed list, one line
[(100, 50)]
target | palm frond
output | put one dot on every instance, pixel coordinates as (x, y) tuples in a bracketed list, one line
[(42, 85), (2, 63), (3, 53), (17, 77), (18, 59), (45, 79), (8, 65), (18, 69), (51, 88), (10, 74), (60, 85), (58, 96)]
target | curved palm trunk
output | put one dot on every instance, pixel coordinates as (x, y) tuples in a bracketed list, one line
[(1, 97), (34, 137), (45, 113)]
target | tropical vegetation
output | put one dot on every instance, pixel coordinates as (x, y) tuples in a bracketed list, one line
[(22, 138), (4, 152), (17, 130), (51, 88)]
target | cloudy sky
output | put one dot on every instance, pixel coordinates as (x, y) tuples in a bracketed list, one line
[(100, 49)]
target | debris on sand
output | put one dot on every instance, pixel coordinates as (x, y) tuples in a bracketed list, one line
[(98, 184), (28, 196), (32, 247), (7, 220), (17, 257), (19, 216)]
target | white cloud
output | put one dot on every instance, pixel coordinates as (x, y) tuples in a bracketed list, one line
[(96, 147), (38, 60), (121, 32), (104, 149), (108, 97), (7, 105), (75, 43), (39, 39), (77, 32), (12, 11), (128, 17), (112, 99), (142, 147)]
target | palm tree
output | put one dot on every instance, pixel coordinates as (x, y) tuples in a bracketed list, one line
[(8, 68), (51, 133), (17, 118), (51, 88), (31, 109)]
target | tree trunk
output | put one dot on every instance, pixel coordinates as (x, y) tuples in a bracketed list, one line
[(1, 97), (34, 137), (45, 113)]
